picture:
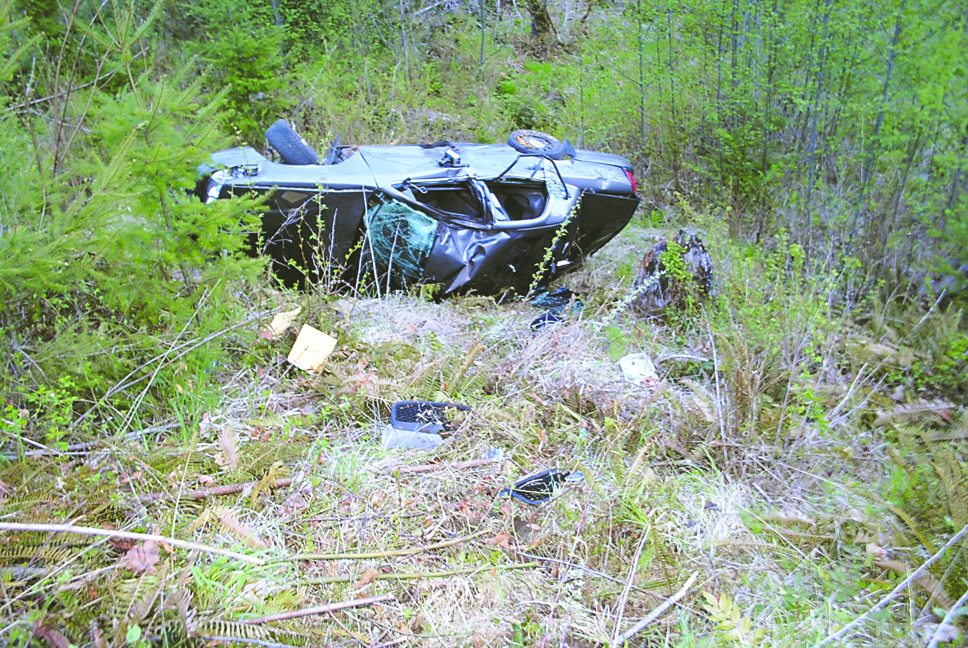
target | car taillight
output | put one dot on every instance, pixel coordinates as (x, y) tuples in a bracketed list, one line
[(635, 189)]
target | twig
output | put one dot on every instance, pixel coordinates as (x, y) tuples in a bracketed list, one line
[(623, 598), (130, 535), (401, 576), (894, 593), (215, 491), (379, 554), (130, 381), (936, 636), (621, 639), (321, 609), (395, 642), (587, 570), (253, 642), (49, 452), (406, 470)]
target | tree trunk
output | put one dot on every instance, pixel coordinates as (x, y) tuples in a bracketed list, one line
[(543, 30)]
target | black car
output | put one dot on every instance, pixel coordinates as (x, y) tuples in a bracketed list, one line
[(482, 217)]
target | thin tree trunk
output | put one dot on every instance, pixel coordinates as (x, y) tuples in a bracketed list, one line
[(865, 176), (956, 178), (808, 217)]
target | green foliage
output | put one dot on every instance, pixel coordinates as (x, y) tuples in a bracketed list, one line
[(242, 50), (732, 627), (103, 246)]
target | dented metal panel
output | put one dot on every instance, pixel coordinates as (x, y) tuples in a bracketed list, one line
[(464, 216)]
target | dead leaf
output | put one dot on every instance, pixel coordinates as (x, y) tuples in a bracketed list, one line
[(98, 636), (206, 480), (368, 577), (876, 551), (143, 557), (228, 441), (53, 637), (502, 539), (4, 493)]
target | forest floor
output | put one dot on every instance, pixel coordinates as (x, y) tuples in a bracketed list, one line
[(774, 485)]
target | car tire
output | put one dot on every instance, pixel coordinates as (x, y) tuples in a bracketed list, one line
[(290, 147), (536, 143)]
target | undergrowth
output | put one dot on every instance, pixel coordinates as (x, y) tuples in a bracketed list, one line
[(801, 449), (764, 457)]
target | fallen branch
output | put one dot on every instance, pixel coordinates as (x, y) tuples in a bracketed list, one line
[(623, 599), (894, 593), (51, 452), (571, 565), (406, 470), (214, 491), (379, 554), (326, 580), (129, 535), (621, 639), (947, 621), (321, 609)]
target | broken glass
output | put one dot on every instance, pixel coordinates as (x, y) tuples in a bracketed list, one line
[(398, 242)]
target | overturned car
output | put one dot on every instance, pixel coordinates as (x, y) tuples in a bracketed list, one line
[(481, 217)]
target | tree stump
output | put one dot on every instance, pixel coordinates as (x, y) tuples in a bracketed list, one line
[(673, 273)]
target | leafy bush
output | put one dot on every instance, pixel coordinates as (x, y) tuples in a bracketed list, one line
[(105, 256)]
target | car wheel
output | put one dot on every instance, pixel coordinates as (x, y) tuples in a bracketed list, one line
[(290, 147), (536, 142)]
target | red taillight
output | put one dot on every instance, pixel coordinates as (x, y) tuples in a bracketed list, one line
[(635, 189)]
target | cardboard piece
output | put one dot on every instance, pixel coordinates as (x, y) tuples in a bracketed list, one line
[(280, 324), (311, 349)]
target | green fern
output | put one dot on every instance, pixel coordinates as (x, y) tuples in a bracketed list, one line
[(732, 626)]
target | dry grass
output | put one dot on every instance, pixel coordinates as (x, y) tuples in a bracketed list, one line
[(727, 473)]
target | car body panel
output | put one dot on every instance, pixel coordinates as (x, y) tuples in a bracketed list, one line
[(478, 217)]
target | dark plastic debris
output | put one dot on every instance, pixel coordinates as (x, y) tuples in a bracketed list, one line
[(538, 488), (560, 302), (423, 416), (546, 319), (556, 299)]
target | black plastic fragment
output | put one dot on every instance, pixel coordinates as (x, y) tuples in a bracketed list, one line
[(536, 488), (556, 299), (423, 416), (545, 320)]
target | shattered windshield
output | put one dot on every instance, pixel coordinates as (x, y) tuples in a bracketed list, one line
[(398, 241)]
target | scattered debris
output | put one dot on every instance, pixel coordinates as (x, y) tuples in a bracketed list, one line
[(546, 319), (665, 282), (393, 438), (554, 301), (417, 424), (638, 369), (558, 303), (540, 487), (279, 324), (311, 349)]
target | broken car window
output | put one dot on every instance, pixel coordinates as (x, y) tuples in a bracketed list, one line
[(398, 241)]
